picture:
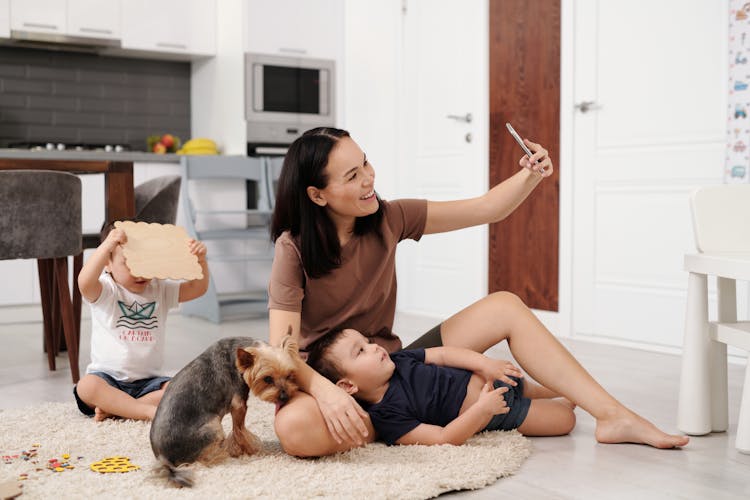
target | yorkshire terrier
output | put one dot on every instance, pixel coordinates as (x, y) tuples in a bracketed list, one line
[(187, 425)]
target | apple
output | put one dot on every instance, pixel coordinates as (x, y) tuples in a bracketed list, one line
[(160, 148), (167, 140)]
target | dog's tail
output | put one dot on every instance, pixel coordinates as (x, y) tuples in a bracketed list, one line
[(179, 475)]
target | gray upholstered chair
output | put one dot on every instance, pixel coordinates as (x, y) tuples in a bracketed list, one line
[(40, 218), (156, 200)]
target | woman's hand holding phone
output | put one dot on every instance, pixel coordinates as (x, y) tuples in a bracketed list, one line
[(537, 158)]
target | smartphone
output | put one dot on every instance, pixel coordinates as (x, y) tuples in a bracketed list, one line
[(520, 141)]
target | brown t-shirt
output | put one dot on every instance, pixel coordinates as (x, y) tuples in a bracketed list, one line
[(361, 292)]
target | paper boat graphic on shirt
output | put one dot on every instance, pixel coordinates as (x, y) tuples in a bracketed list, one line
[(137, 315)]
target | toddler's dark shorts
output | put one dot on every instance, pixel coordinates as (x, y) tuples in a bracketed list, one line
[(519, 407), (136, 388)]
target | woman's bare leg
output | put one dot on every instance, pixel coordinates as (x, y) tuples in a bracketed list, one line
[(302, 431), (503, 316), (533, 390)]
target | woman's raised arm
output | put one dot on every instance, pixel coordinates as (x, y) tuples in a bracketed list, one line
[(497, 203)]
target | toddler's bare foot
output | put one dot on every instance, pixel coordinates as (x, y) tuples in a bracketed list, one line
[(100, 414), (627, 427)]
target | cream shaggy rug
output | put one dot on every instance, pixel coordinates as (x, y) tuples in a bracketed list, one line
[(376, 471)]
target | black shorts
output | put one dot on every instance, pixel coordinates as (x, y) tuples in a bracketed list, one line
[(519, 407)]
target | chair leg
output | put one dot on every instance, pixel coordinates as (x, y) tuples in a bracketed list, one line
[(57, 339), (743, 424), (727, 313), (694, 407), (46, 280), (77, 265), (66, 314)]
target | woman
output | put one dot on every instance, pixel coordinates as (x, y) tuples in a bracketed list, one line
[(334, 266)]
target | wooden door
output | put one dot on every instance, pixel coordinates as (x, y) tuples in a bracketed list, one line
[(524, 71)]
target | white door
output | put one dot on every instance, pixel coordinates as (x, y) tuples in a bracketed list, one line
[(444, 158), (658, 73)]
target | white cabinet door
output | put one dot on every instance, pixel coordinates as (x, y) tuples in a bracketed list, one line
[(94, 18), (170, 26), (4, 18), (161, 26), (312, 28), (42, 16), (203, 27)]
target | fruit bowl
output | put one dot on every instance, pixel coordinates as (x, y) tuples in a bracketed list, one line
[(161, 144)]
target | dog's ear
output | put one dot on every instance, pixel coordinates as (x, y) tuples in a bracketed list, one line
[(245, 358), (289, 345), (349, 386)]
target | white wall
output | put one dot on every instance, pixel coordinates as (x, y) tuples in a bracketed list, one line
[(372, 34), (217, 86)]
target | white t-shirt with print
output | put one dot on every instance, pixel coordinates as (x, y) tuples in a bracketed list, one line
[(128, 329)]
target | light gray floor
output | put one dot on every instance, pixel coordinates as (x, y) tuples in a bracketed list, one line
[(570, 467)]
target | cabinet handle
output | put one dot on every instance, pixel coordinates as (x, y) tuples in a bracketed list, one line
[(291, 50), (170, 45), (96, 30), (41, 25)]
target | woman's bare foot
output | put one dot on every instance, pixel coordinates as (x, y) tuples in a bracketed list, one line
[(627, 427), (100, 414)]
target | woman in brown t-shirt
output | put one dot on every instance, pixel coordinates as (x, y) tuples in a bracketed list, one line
[(334, 266)]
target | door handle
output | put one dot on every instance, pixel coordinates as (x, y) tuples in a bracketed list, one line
[(461, 118), (586, 106)]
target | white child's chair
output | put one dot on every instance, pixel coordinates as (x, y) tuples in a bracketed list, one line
[(721, 222)]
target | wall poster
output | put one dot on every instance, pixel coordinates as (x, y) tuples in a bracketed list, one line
[(738, 125)]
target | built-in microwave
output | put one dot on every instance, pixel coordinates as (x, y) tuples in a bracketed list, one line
[(284, 96)]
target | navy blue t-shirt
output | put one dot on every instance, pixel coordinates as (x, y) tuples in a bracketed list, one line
[(417, 393)]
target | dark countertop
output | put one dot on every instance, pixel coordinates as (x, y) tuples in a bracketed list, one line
[(128, 156)]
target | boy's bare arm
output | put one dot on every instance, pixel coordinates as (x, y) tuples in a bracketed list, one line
[(88, 278), (471, 421), (459, 357), (193, 289)]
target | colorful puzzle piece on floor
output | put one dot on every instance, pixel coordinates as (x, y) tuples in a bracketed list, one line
[(114, 464)]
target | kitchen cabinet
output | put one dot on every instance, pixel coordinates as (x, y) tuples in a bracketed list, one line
[(85, 18), (158, 26), (313, 28), (41, 16), (4, 18), (94, 18), (170, 26)]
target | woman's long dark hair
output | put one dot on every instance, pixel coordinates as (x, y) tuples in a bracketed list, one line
[(304, 165)]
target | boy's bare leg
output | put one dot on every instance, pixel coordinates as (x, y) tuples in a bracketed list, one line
[(548, 417), (109, 401), (503, 316)]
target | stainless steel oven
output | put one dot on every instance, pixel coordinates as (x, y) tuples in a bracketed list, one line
[(284, 96)]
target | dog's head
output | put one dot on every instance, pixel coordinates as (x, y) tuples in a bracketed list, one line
[(269, 371)]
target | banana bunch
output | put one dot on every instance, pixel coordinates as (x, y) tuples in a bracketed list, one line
[(198, 146)]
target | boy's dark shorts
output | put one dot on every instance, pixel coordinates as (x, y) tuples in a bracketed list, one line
[(135, 389), (519, 407)]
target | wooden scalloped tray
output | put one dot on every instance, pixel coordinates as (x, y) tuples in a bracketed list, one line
[(159, 251)]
